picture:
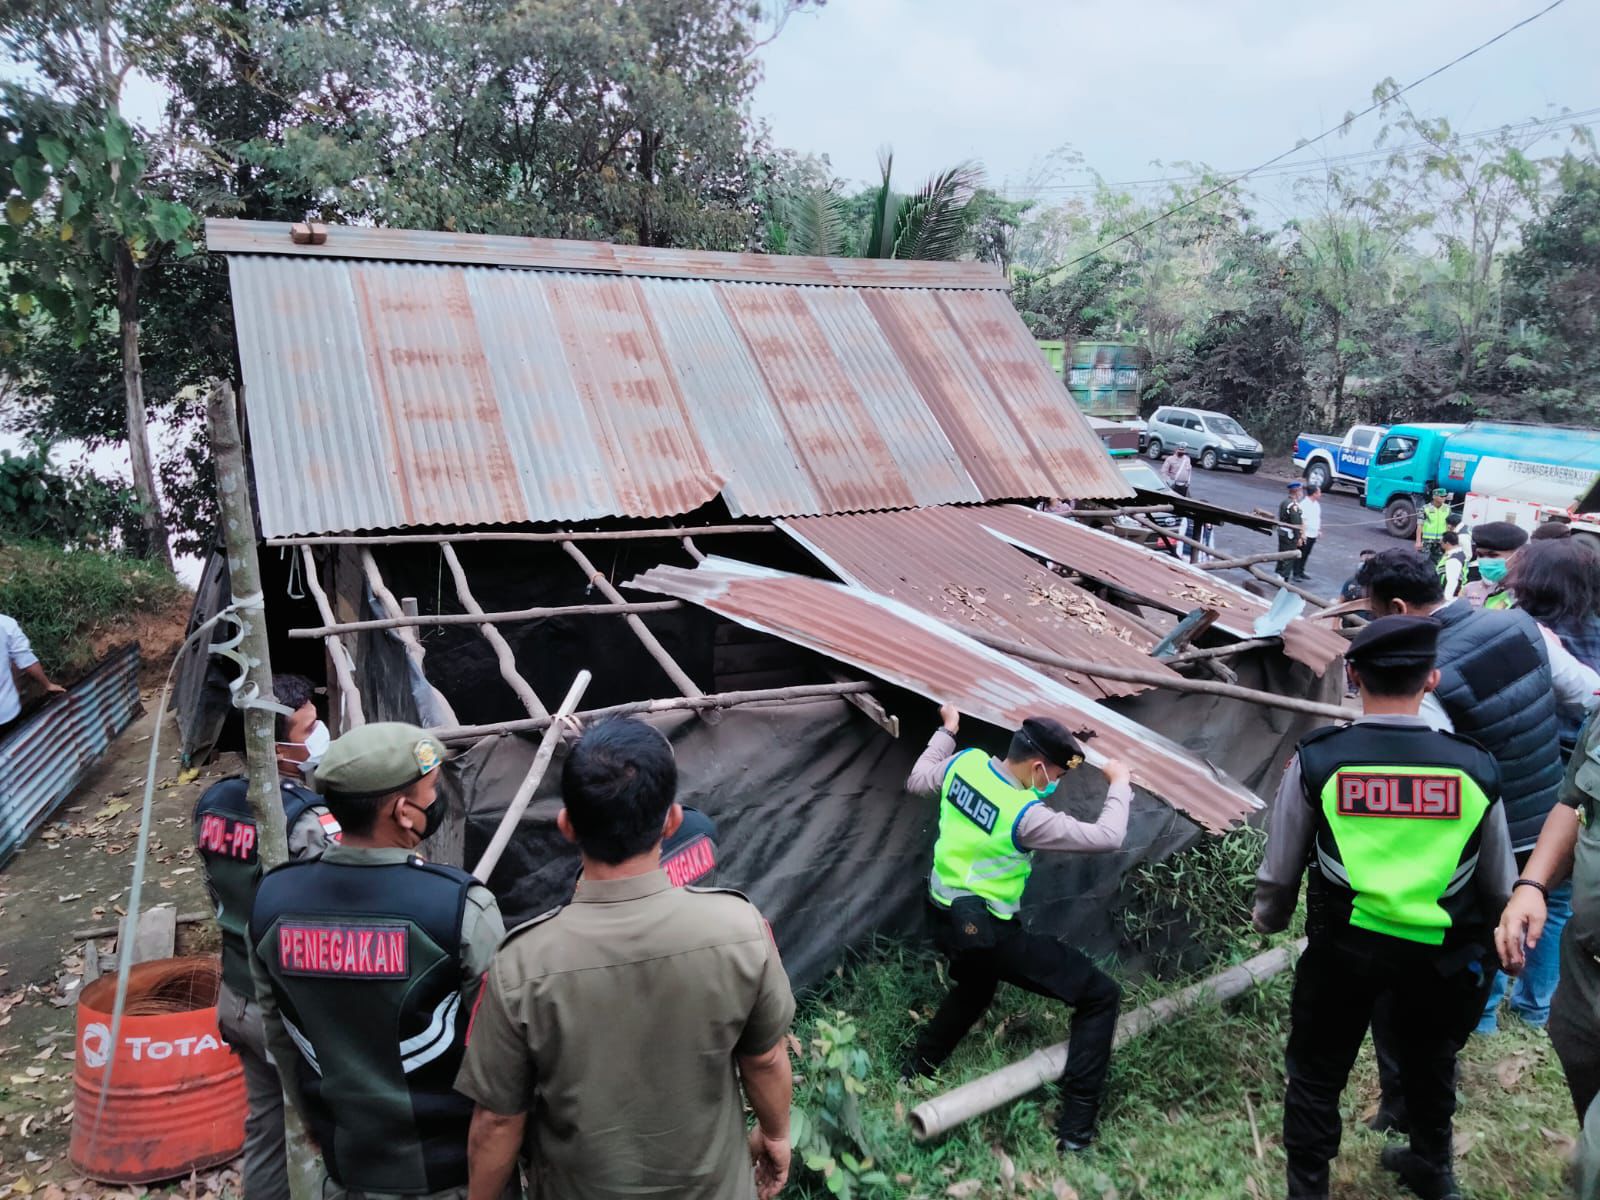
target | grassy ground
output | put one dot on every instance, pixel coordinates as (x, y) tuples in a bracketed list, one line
[(1194, 1109), (74, 605)]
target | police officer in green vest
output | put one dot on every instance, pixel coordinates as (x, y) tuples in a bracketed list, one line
[(1432, 522), (1403, 836), (1569, 845), (367, 962), (226, 836), (993, 813)]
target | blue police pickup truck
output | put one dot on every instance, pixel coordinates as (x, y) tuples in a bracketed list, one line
[(1326, 461)]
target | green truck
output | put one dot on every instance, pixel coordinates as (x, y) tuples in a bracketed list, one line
[(1105, 378)]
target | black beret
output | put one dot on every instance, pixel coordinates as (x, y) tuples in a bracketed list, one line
[(1498, 535), (1396, 642), (1054, 740)]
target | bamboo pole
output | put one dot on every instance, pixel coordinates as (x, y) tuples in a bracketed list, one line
[(344, 667), (1280, 581), (978, 1096), (1249, 560), (530, 781), (488, 618), (408, 636), (1136, 511), (260, 732), (1216, 652), (1161, 679), (1213, 561), (655, 649), (569, 535), (804, 691), (502, 648)]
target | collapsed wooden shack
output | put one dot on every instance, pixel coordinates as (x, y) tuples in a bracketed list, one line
[(772, 504)]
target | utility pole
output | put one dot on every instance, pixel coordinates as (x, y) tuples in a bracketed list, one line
[(260, 734)]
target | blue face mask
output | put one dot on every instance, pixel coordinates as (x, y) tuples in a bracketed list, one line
[(1047, 790), (1492, 569)]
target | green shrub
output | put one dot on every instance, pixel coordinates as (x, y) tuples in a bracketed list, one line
[(65, 599)]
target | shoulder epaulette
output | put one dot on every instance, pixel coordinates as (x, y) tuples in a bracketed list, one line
[(1316, 735), (530, 923), (716, 891)]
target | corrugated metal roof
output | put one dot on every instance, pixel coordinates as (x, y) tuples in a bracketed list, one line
[(386, 395), (1115, 560), (229, 236), (906, 647), (943, 563), (43, 759)]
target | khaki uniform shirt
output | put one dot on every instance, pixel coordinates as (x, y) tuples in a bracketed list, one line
[(615, 1023)]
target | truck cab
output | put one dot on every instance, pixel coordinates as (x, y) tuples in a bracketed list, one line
[(1404, 471)]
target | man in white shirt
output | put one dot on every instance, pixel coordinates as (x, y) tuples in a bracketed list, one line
[(1178, 470), (20, 660), (1310, 527)]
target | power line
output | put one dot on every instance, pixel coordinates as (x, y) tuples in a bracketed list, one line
[(1571, 120), (1221, 187)]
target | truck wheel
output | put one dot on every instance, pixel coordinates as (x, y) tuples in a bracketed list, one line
[(1400, 517), (1317, 474), (1153, 450), (1208, 459)]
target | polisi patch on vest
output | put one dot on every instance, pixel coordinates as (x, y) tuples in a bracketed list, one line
[(1435, 797), (972, 805), (344, 951), (227, 836)]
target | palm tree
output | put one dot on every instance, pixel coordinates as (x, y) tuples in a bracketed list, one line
[(931, 223)]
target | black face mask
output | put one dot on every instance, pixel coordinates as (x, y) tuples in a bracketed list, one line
[(432, 817)]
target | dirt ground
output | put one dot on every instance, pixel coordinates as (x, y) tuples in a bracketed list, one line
[(73, 875)]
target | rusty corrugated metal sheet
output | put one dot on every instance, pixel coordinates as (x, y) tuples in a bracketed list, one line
[(906, 647), (229, 236), (43, 759), (943, 563), (1114, 560), (387, 395)]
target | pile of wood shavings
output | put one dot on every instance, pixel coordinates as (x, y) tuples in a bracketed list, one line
[(970, 599), (1202, 596), (1082, 608)]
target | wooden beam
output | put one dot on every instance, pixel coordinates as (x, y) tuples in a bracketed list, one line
[(1215, 652), (344, 668), (1280, 581), (647, 639), (574, 535), (502, 648), (408, 636), (1249, 560), (704, 702), (488, 618)]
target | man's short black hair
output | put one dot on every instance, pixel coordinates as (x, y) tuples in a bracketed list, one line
[(1392, 681), (1400, 574), (618, 784), (357, 814), (291, 691), (1450, 538)]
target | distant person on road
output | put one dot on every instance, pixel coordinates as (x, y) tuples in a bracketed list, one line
[(21, 661), (1453, 572), (615, 1032), (1177, 471), (1495, 542), (1291, 528), (1311, 527), (1432, 522), (993, 814)]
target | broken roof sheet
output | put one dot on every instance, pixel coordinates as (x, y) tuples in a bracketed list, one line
[(906, 647), (940, 561), (481, 381), (1116, 561)]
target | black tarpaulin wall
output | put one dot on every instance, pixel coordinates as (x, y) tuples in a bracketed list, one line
[(816, 828)]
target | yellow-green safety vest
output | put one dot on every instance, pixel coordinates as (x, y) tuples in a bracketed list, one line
[(1435, 522), (977, 853)]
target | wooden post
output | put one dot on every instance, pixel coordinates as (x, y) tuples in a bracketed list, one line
[(502, 648), (344, 668), (656, 650), (260, 735)]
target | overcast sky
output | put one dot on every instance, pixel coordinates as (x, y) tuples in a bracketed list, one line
[(1226, 82)]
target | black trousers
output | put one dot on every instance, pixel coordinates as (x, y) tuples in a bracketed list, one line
[(1046, 967), (1305, 557), (1429, 999)]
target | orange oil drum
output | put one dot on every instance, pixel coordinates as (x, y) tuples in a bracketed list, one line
[(176, 1097)]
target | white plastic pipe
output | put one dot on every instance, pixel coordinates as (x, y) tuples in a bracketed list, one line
[(990, 1091)]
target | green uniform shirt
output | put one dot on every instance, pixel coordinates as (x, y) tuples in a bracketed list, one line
[(481, 932), (615, 1022), (1581, 790)]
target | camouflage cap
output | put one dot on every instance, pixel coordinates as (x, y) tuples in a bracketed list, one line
[(372, 760)]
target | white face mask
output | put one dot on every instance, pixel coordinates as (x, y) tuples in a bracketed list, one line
[(317, 742)]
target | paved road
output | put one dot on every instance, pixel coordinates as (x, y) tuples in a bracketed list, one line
[(1348, 527)]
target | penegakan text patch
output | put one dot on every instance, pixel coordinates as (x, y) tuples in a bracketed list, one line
[(344, 951), (1378, 794), (692, 863)]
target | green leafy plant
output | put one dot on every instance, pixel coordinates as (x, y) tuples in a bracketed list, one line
[(67, 506), (826, 1126), (1198, 900)]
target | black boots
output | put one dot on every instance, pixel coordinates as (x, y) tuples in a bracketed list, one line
[(1428, 1178), (1308, 1181)]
